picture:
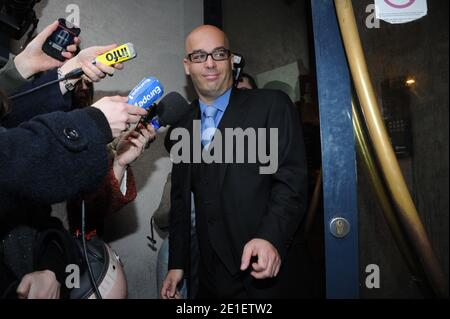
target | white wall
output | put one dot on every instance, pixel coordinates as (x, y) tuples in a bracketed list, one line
[(157, 29)]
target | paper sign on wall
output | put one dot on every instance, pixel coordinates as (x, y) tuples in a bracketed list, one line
[(400, 11)]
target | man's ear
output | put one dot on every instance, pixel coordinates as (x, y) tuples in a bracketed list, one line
[(232, 61), (186, 66)]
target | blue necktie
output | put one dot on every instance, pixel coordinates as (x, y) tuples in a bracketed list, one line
[(208, 125)]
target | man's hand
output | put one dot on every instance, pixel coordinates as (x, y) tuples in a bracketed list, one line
[(92, 73), (39, 285), (131, 145), (33, 60), (119, 113), (269, 260), (169, 288)]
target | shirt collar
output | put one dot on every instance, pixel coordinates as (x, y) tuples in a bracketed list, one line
[(219, 103)]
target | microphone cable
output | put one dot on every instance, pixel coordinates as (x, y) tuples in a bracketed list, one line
[(86, 257), (119, 54), (71, 75)]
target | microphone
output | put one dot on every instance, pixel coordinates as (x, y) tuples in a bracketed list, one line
[(120, 54), (170, 110), (238, 66), (146, 93)]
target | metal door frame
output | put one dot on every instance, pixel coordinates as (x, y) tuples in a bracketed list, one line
[(338, 152)]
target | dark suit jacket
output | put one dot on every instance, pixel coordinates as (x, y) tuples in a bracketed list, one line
[(270, 207)]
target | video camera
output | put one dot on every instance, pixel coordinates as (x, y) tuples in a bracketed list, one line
[(16, 16)]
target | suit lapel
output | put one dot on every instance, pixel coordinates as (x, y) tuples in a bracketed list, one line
[(235, 113), (194, 115), (234, 117)]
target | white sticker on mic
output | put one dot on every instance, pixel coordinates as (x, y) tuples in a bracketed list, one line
[(400, 11)]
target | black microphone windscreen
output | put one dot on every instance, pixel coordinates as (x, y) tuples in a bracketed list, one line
[(172, 108)]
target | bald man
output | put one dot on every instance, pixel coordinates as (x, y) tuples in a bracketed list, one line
[(245, 220)]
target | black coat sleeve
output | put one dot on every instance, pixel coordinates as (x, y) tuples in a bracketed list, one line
[(54, 156), (45, 100), (288, 196)]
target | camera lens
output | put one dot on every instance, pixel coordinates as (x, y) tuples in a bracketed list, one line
[(20, 8)]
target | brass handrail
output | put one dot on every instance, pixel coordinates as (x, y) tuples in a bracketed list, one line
[(407, 212), (384, 200)]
